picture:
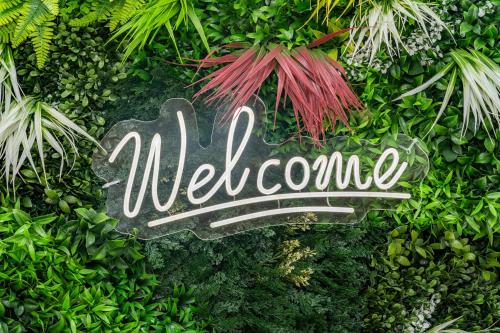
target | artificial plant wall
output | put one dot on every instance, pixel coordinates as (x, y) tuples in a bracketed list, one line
[(415, 67)]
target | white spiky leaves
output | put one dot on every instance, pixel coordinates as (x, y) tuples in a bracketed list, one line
[(380, 25), (27, 124), (480, 78), (10, 90), (35, 125)]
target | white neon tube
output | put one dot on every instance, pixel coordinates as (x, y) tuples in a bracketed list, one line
[(289, 210), (285, 196)]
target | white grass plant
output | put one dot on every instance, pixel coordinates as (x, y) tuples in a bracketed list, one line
[(27, 124), (9, 87), (380, 23), (445, 328), (480, 78)]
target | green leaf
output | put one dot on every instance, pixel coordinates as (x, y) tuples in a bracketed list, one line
[(89, 239), (465, 27), (404, 261), (104, 308), (456, 244), (57, 327), (51, 194), (489, 144), (63, 205), (469, 256), (66, 302), (100, 253), (479, 43), (421, 251), (493, 196)]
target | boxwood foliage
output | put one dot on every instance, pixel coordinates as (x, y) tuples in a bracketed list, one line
[(428, 277), (80, 276)]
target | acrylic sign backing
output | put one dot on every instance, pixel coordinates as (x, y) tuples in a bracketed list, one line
[(161, 181)]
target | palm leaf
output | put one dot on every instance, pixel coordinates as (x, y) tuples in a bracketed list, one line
[(31, 125), (447, 97), (143, 26), (27, 124), (197, 25)]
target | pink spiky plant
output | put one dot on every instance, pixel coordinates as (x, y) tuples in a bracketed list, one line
[(315, 83)]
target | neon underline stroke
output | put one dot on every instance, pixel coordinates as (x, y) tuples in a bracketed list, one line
[(284, 196), (288, 210)]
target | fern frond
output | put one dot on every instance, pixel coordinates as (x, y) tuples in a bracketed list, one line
[(6, 4), (6, 32), (9, 12), (122, 11), (34, 13), (85, 20), (116, 11), (52, 6), (101, 10), (41, 38)]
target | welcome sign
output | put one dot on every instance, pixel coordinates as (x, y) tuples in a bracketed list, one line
[(161, 181)]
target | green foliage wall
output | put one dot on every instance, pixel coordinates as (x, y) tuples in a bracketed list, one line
[(459, 194), (245, 290), (79, 275), (69, 271), (79, 80), (237, 280), (433, 259), (442, 276)]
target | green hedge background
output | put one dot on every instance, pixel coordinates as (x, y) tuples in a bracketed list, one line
[(431, 260)]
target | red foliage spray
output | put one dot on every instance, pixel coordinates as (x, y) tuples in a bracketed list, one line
[(315, 83)]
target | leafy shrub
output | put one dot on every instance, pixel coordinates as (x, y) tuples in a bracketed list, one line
[(98, 282), (460, 190), (78, 276), (423, 278)]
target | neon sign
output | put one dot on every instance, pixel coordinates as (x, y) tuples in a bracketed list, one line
[(160, 180)]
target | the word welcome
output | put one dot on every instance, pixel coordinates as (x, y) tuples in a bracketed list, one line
[(323, 171)]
